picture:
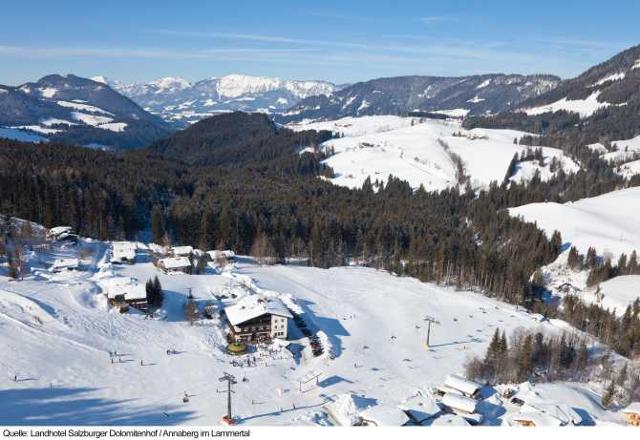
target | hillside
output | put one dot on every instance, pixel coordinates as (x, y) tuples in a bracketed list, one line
[(456, 96), (78, 110), (234, 138), (182, 102), (598, 106), (608, 222), (436, 154), (169, 364)]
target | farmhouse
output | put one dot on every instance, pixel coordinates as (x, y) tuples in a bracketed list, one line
[(126, 291), (61, 264), (256, 319), (175, 265), (632, 414), (457, 384), (123, 252), (182, 251)]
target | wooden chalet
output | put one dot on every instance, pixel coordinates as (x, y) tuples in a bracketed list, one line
[(257, 319)]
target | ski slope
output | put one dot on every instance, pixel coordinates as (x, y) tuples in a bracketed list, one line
[(423, 152), (609, 222), (57, 332)]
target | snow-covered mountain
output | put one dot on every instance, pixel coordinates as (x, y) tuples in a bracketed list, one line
[(78, 110), (613, 83), (459, 96), (180, 101)]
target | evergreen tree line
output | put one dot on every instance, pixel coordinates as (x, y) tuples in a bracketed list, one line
[(601, 268), (531, 356)]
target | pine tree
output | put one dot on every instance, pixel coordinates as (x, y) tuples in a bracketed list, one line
[(609, 395), (191, 313)]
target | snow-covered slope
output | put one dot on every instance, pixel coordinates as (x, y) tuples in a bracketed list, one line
[(423, 151), (180, 101), (611, 83), (584, 107), (78, 110), (57, 332), (609, 222)]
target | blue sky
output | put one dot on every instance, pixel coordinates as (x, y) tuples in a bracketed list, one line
[(339, 41)]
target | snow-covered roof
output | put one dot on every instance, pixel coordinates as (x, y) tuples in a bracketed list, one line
[(560, 411), (217, 254), (123, 249), (537, 418), (182, 250), (127, 286), (632, 408), (460, 403), (252, 306), (57, 230), (461, 384), (421, 407), (385, 415), (63, 263), (175, 262), (344, 410)]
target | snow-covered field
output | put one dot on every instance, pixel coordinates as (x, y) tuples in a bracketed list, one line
[(56, 332), (422, 152), (609, 222)]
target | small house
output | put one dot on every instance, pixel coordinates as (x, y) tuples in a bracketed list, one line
[(458, 404), (123, 252), (457, 384), (175, 265), (182, 251), (256, 319), (226, 256), (62, 233), (632, 414), (63, 264), (126, 291)]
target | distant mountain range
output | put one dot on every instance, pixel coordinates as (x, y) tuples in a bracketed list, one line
[(453, 96), (601, 104), (99, 112), (182, 102), (77, 110)]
